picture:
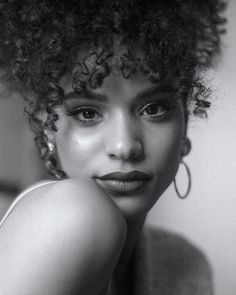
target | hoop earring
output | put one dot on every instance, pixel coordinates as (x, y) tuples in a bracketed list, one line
[(51, 162), (184, 196)]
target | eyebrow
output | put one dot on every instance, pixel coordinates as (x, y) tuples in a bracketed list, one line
[(86, 95), (153, 90)]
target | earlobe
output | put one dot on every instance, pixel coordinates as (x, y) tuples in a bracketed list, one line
[(49, 135), (186, 146), (49, 155)]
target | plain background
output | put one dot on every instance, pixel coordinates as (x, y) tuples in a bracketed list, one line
[(208, 216)]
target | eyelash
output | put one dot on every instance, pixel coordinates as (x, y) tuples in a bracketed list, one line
[(165, 106), (75, 113), (86, 121)]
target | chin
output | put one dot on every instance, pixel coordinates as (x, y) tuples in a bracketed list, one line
[(132, 207)]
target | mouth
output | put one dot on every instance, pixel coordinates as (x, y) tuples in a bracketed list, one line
[(120, 183)]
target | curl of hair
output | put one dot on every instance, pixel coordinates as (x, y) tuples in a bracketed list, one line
[(40, 41)]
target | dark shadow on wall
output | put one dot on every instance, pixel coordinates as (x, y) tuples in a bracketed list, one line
[(9, 188), (8, 192)]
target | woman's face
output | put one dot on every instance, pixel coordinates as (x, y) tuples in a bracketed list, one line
[(126, 135)]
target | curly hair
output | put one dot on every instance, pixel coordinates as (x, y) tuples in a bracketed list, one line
[(40, 41)]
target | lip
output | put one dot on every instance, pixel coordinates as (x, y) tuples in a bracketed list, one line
[(126, 176), (120, 182)]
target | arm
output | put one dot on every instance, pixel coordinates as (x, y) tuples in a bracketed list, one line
[(62, 239)]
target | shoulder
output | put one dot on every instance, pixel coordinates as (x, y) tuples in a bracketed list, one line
[(73, 206), (179, 263), (70, 223), (25, 193), (174, 244), (77, 197)]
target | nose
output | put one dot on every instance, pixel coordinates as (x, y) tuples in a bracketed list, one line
[(124, 141)]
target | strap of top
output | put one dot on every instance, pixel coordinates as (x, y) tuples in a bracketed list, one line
[(107, 290), (23, 194)]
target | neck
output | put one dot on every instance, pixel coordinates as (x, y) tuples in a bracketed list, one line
[(123, 271)]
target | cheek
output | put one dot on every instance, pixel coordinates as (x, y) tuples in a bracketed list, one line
[(165, 151), (76, 148)]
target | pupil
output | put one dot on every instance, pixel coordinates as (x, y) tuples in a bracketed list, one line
[(88, 114), (151, 110)]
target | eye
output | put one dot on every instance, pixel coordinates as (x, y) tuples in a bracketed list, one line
[(86, 115), (154, 110)]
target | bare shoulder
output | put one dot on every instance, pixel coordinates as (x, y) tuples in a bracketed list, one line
[(57, 230), (64, 203), (179, 261), (176, 246)]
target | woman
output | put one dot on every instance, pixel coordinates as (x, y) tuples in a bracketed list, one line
[(109, 87)]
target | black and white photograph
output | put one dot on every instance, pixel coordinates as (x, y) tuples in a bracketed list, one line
[(117, 147)]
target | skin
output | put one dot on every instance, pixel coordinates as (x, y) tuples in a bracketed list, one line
[(128, 124), (119, 135), (122, 136), (55, 249)]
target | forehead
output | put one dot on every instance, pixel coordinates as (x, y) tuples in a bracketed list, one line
[(115, 85), (114, 72), (103, 69)]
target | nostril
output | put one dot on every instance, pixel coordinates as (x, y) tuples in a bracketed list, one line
[(127, 151), (137, 153)]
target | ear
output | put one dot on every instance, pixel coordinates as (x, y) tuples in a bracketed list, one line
[(50, 135), (48, 132), (186, 146)]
